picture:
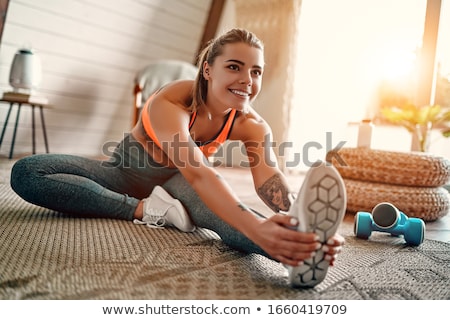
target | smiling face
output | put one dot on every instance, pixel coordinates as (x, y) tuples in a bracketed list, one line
[(235, 77)]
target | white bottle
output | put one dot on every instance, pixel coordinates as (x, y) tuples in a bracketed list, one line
[(365, 134)]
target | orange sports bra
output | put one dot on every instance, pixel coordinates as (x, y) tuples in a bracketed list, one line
[(208, 147)]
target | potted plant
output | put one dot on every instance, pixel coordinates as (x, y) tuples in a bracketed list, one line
[(419, 121)]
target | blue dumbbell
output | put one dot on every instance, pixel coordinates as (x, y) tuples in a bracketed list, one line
[(385, 217)]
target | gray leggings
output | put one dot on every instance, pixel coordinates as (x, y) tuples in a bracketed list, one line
[(113, 188)]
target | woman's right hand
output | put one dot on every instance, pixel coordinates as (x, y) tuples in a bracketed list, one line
[(278, 238)]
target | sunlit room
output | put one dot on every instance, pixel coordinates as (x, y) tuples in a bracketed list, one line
[(327, 130)]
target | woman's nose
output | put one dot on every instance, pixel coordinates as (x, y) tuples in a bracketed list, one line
[(246, 79)]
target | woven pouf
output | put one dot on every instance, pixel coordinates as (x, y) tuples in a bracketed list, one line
[(428, 204), (412, 181), (415, 169)]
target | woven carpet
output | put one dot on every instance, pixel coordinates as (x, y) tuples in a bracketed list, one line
[(49, 255)]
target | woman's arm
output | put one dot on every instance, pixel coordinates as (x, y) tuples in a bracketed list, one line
[(170, 122), (270, 183)]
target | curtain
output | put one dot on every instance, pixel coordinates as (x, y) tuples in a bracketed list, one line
[(275, 22)]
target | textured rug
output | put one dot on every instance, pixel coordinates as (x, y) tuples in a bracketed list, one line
[(49, 255)]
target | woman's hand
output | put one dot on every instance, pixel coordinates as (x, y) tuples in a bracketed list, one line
[(277, 237)]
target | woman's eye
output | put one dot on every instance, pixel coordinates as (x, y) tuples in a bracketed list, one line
[(257, 72), (234, 67)]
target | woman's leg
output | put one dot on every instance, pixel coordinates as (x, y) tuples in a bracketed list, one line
[(71, 184), (203, 217), (87, 187)]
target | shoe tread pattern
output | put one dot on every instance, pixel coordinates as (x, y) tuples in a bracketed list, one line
[(324, 214)]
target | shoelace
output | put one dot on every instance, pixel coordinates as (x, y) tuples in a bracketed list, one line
[(153, 220)]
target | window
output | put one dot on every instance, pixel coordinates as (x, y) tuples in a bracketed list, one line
[(442, 96), (347, 50)]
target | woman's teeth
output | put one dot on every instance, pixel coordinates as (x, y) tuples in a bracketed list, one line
[(240, 93)]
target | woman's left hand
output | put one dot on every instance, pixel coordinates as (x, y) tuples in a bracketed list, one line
[(333, 247)]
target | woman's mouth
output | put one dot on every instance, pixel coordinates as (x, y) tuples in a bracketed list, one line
[(243, 94)]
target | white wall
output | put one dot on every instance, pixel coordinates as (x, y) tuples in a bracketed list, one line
[(90, 52)]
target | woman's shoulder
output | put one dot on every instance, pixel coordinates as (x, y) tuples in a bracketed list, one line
[(177, 89), (250, 126), (253, 118), (177, 93)]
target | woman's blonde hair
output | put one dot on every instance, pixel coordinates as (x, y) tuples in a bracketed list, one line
[(212, 50)]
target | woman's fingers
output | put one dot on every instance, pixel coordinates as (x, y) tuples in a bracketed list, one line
[(291, 247), (333, 247), (336, 240)]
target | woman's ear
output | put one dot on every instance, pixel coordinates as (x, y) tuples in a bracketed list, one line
[(206, 70)]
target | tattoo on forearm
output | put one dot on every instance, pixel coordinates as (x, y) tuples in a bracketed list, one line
[(274, 193)]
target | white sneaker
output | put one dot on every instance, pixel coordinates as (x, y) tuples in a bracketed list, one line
[(161, 210), (319, 207)]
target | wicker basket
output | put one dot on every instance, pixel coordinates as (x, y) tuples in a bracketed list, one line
[(421, 202), (400, 168)]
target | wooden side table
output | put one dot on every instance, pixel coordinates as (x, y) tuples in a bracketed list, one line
[(20, 102)]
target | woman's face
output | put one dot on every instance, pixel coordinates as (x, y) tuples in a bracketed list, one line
[(234, 80)]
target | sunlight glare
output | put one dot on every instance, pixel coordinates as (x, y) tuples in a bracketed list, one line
[(396, 63)]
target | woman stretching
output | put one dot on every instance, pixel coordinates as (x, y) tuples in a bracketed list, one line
[(159, 174)]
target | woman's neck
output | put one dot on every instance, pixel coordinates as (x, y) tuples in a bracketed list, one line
[(214, 114)]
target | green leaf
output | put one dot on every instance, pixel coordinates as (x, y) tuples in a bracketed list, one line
[(446, 133)]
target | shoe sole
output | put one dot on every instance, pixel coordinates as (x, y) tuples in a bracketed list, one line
[(184, 222), (320, 207)]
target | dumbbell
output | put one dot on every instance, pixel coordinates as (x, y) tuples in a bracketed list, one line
[(385, 217)]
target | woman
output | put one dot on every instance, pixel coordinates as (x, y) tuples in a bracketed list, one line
[(166, 153)]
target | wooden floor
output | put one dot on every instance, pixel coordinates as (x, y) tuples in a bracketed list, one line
[(241, 182)]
